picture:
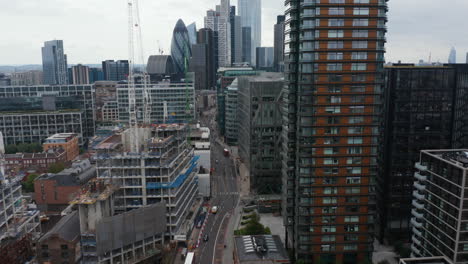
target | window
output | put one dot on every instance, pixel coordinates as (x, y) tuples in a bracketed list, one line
[(351, 219), (328, 141), (336, 1), (330, 161), (355, 140), (334, 67), (360, 33), (357, 109), (353, 190), (354, 150), (333, 109), (355, 130), (359, 44), (333, 120), (332, 130), (356, 120), (360, 22), (336, 22), (335, 78), (329, 210), (359, 56), (350, 247), (330, 190), (353, 180), (335, 33), (317, 11), (329, 200), (350, 238), (328, 229), (336, 44), (334, 89), (361, 11), (328, 238), (351, 228), (327, 248), (354, 160), (335, 56), (331, 180), (358, 89), (358, 77), (358, 67), (361, 1), (336, 11)]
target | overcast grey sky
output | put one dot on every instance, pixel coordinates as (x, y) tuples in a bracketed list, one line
[(95, 30)]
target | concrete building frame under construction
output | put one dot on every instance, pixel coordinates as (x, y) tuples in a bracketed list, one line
[(163, 171)]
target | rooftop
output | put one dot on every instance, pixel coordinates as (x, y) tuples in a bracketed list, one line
[(61, 137), (260, 249), (456, 157), (68, 228), (95, 190), (80, 172)]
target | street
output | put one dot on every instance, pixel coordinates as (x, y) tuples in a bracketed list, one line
[(224, 195)]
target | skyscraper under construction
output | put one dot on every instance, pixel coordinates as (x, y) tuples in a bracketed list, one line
[(334, 55)]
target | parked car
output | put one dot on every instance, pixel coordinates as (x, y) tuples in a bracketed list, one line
[(205, 238)]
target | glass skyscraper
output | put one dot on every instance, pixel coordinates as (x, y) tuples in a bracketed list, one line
[(180, 47), (334, 56), (54, 63), (250, 12)]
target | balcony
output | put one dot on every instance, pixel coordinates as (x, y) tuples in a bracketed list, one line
[(420, 177), (415, 223), (415, 250), (419, 186), (417, 204), (416, 214), (415, 240), (416, 231), (420, 167), (418, 196)]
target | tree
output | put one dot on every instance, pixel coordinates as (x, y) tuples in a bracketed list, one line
[(56, 167), (11, 149), (253, 227), (23, 148), (28, 185)]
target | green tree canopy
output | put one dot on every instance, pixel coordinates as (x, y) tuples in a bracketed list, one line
[(56, 167)]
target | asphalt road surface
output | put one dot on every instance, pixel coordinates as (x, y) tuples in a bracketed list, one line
[(225, 195)]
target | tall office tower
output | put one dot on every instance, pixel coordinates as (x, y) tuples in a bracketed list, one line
[(436, 123), (180, 47), (247, 45), (199, 65), (206, 36), (279, 44), (440, 206), (211, 22), (452, 56), (192, 33), (236, 36), (334, 74), (265, 58), (95, 74), (54, 63), (115, 70), (80, 74), (224, 35), (250, 12)]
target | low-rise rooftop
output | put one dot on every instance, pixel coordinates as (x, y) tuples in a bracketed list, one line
[(260, 249), (95, 190)]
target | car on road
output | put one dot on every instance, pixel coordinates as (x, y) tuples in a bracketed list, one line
[(205, 238), (214, 209)]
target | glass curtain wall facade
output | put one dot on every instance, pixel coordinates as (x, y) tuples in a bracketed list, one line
[(54, 63), (180, 47), (250, 12), (334, 55)]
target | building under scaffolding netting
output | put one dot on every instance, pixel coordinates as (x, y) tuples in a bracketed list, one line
[(164, 170)]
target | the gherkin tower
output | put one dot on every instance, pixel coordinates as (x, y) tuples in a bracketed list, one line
[(180, 47)]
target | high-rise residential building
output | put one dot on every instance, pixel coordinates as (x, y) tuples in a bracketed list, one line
[(334, 78), (250, 12), (439, 206), (26, 78), (192, 33), (115, 70), (438, 121), (224, 34), (247, 45), (236, 36), (54, 63), (180, 48), (95, 75), (279, 44), (80, 74), (452, 56), (206, 36), (265, 58), (259, 133)]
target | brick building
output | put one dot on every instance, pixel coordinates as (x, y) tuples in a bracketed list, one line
[(53, 192), (67, 141), (36, 161)]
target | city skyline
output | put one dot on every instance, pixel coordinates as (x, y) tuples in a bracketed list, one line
[(106, 26)]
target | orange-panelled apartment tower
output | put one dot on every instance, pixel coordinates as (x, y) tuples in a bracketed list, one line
[(334, 55), (67, 141)]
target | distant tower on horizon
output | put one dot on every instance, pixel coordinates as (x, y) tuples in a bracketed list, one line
[(250, 12), (192, 32), (180, 46), (453, 56), (54, 63), (466, 58)]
